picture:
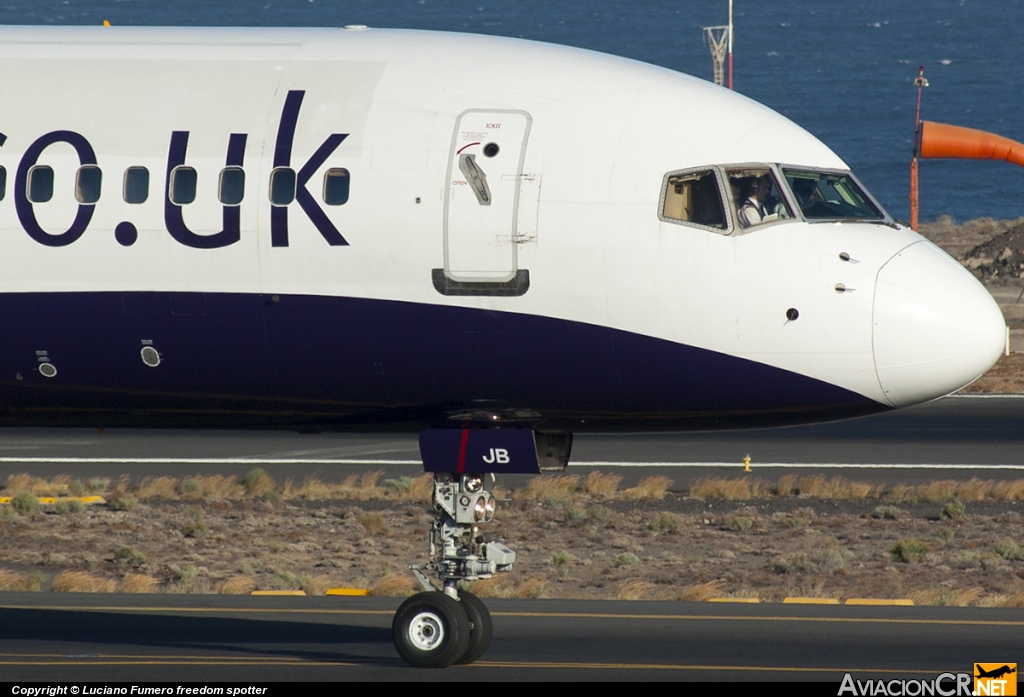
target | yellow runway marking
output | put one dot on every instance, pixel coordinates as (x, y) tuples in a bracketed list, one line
[(118, 659), (660, 666), (143, 656), (240, 610), (50, 659), (754, 618), (197, 662)]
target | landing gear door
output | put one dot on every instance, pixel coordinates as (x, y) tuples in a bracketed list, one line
[(481, 211)]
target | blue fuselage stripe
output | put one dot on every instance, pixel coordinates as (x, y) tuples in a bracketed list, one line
[(295, 361)]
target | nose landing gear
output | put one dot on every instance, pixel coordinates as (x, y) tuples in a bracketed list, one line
[(447, 625), (435, 629)]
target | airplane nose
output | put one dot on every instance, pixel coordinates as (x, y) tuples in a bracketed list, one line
[(936, 328)]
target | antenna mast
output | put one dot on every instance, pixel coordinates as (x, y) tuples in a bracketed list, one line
[(717, 39), (719, 42)]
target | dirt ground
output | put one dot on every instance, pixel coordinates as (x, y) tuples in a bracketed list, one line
[(946, 543)]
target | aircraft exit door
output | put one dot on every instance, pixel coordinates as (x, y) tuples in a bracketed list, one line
[(482, 191)]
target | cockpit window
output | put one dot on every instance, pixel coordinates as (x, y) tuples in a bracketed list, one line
[(830, 196), (757, 196), (694, 197)]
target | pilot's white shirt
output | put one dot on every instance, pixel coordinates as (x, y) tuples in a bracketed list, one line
[(751, 212)]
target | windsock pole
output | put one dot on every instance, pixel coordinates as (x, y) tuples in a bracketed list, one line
[(921, 83)]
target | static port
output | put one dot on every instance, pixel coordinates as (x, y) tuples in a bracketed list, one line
[(47, 370), (150, 356)]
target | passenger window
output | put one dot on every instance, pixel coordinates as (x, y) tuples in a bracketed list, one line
[(694, 198), (40, 184), (232, 186), (336, 186), (282, 186), (3, 182), (88, 183), (136, 185), (757, 196), (183, 186)]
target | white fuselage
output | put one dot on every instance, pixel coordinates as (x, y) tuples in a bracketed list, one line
[(573, 198)]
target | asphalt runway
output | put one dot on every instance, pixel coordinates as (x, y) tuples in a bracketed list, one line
[(78, 637), (957, 437)]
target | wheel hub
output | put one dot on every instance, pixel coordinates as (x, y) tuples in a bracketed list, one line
[(426, 631)]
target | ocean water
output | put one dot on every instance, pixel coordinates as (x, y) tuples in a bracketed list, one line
[(844, 71)]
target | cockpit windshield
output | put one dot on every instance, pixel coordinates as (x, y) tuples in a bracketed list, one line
[(830, 196)]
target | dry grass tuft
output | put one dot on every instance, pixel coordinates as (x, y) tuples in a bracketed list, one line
[(498, 586), (14, 581), (1008, 491), (395, 586), (217, 488), (950, 597), (813, 485), (937, 492), (257, 482), (312, 489), (368, 480), (817, 486), (973, 490), (635, 589), (902, 493), (787, 485), (236, 585), (532, 587), (421, 489), (649, 488), (600, 484), (862, 490), (721, 488), (1013, 600), (16, 483), (9, 579), (361, 487), (701, 591), (548, 486), (316, 585), (158, 488), (82, 582), (139, 583), (949, 490), (373, 522)]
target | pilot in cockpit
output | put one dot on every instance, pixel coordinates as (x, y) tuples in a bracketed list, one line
[(758, 206)]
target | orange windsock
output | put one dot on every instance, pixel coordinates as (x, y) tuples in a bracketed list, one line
[(943, 140)]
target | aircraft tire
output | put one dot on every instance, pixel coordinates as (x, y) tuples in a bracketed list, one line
[(430, 630), (480, 619)]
